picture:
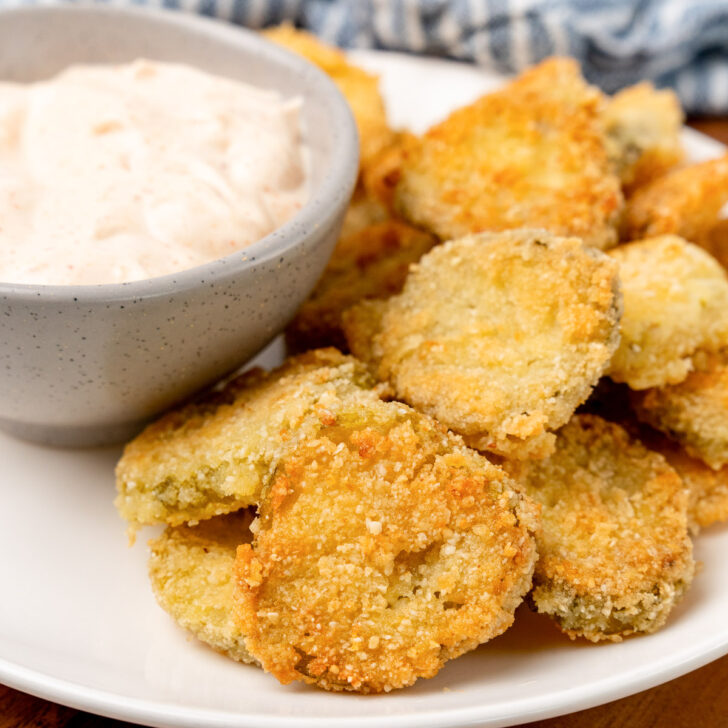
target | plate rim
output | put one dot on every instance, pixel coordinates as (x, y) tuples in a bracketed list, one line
[(163, 715)]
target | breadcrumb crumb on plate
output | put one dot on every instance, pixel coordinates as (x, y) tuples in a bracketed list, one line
[(614, 551)]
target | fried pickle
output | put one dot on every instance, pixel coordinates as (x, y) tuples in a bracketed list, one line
[(530, 155), (716, 242), (372, 263), (614, 551), (384, 548), (693, 412), (707, 488), (382, 174), (214, 455), (361, 89), (675, 303), (362, 212), (684, 202), (191, 571), (499, 336), (642, 127)]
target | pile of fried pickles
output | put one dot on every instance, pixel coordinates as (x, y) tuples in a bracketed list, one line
[(510, 383)]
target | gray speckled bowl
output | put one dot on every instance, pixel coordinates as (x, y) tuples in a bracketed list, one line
[(87, 365)]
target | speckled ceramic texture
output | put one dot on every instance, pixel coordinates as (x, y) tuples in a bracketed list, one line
[(87, 365)]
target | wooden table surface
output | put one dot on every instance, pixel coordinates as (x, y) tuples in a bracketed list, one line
[(696, 700)]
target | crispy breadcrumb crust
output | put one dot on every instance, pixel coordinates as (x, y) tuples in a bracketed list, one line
[(694, 412), (500, 336), (360, 88), (716, 242), (683, 202), (675, 303), (363, 212), (372, 263), (614, 551), (214, 455), (191, 572), (384, 548), (642, 127), (383, 172), (530, 155), (362, 325), (707, 488)]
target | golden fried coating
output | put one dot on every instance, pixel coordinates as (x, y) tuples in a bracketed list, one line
[(530, 155), (693, 412), (707, 488), (362, 326), (675, 303), (363, 211), (683, 202), (361, 89), (614, 551), (191, 571), (214, 455), (716, 242), (372, 263), (643, 128), (382, 173), (384, 548), (499, 336)]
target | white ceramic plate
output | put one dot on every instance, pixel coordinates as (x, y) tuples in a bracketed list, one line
[(79, 624)]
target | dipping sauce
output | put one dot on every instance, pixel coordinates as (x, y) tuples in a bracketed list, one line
[(118, 173)]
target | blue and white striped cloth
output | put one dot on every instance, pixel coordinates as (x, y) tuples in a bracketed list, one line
[(677, 43)]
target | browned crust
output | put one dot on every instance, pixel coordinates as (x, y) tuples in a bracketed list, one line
[(384, 548), (500, 336), (614, 551)]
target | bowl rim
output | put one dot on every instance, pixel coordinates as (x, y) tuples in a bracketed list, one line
[(316, 213)]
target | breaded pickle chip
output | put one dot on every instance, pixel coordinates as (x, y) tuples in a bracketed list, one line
[(530, 155), (675, 303), (363, 211), (614, 551), (499, 336), (707, 488), (214, 455), (643, 128), (361, 89), (384, 548), (191, 571), (362, 325), (372, 263), (382, 174), (694, 412), (683, 202)]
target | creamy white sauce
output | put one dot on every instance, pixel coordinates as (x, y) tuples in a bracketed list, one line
[(118, 173)]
